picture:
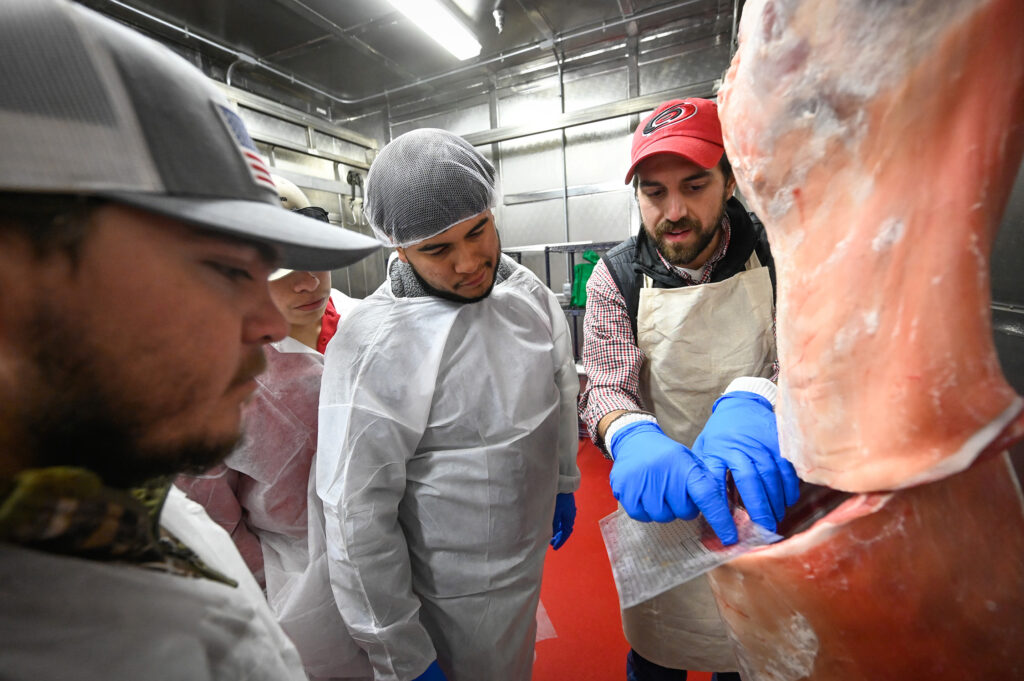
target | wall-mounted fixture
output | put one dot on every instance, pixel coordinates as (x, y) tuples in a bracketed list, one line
[(442, 25)]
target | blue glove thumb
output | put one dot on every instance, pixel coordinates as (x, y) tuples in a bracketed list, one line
[(433, 673), (565, 517), (741, 437)]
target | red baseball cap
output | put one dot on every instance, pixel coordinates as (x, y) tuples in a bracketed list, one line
[(685, 127)]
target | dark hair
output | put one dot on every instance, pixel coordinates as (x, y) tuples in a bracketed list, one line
[(315, 212), (49, 222), (724, 164)]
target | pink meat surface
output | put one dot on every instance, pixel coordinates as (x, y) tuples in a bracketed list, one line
[(920, 583), (879, 141)]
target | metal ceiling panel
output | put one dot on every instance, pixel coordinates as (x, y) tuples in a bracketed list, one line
[(362, 54)]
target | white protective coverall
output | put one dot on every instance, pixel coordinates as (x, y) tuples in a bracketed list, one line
[(259, 495), (65, 617), (446, 430)]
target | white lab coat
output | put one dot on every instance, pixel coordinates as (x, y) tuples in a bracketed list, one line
[(446, 431), (70, 618)]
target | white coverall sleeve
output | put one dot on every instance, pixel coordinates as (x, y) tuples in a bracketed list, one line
[(373, 412), (568, 383)]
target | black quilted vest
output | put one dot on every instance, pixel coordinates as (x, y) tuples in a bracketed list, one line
[(637, 256)]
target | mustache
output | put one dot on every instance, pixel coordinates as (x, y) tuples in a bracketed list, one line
[(685, 222), (488, 265)]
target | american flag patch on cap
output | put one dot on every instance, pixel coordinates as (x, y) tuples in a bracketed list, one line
[(257, 168)]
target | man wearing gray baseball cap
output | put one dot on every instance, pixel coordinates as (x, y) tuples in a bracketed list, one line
[(138, 227)]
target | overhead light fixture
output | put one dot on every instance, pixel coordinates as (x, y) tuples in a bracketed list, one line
[(439, 23)]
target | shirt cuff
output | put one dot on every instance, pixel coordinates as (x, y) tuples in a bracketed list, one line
[(624, 420), (754, 384)]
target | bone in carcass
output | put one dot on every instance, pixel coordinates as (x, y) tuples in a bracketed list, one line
[(878, 140), (921, 583)]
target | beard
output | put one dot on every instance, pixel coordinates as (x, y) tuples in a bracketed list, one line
[(74, 414), (681, 254), (491, 264)]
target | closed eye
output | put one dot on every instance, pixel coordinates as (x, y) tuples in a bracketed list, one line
[(229, 271)]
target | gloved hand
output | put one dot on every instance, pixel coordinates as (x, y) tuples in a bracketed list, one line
[(433, 673), (656, 478), (741, 436), (565, 516)]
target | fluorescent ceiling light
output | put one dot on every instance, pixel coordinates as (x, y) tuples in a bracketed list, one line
[(440, 24)]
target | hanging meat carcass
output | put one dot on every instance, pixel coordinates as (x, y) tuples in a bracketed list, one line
[(878, 140)]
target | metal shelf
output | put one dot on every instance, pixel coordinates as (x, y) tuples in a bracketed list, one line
[(572, 248)]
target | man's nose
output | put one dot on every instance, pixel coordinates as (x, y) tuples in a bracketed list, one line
[(264, 323), (466, 260), (675, 207), (307, 282)]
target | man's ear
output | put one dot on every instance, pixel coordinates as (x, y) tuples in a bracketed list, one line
[(401, 255), (730, 186)]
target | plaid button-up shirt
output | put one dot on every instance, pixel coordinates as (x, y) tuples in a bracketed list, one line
[(611, 357)]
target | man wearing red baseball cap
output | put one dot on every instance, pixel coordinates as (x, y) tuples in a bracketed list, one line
[(679, 352)]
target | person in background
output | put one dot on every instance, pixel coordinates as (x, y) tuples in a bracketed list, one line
[(137, 230), (259, 493), (448, 430), (311, 306), (679, 351)]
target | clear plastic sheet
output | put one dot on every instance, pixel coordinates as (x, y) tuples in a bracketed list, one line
[(651, 558)]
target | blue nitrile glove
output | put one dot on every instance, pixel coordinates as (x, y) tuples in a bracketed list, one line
[(741, 436), (656, 478), (433, 673), (565, 516)]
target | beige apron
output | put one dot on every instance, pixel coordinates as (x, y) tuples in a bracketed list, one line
[(696, 339)]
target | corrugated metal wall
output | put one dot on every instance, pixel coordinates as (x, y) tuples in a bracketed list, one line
[(566, 185)]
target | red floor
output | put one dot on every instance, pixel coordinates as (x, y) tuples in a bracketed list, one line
[(579, 595)]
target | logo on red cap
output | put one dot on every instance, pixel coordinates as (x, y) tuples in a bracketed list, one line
[(670, 116)]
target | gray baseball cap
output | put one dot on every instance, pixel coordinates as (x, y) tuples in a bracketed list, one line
[(89, 106)]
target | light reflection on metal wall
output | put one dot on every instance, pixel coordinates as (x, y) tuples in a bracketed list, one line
[(459, 121)]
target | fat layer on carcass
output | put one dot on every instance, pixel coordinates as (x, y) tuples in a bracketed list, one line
[(919, 583), (879, 141)]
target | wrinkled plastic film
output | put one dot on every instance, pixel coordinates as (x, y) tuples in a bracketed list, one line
[(650, 558)]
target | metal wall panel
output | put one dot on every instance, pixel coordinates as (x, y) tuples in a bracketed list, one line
[(459, 121), (303, 163), (601, 217), (523, 105), (259, 123), (598, 153), (593, 90), (531, 163), (1008, 289), (333, 145), (329, 201), (664, 74), (539, 222), (374, 126), (1008, 253)]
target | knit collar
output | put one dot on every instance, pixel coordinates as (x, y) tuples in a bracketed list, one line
[(69, 511)]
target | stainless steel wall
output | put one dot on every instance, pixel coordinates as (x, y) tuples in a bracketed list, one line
[(565, 185), (1008, 287)]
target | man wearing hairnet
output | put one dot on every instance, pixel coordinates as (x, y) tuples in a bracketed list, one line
[(447, 430)]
